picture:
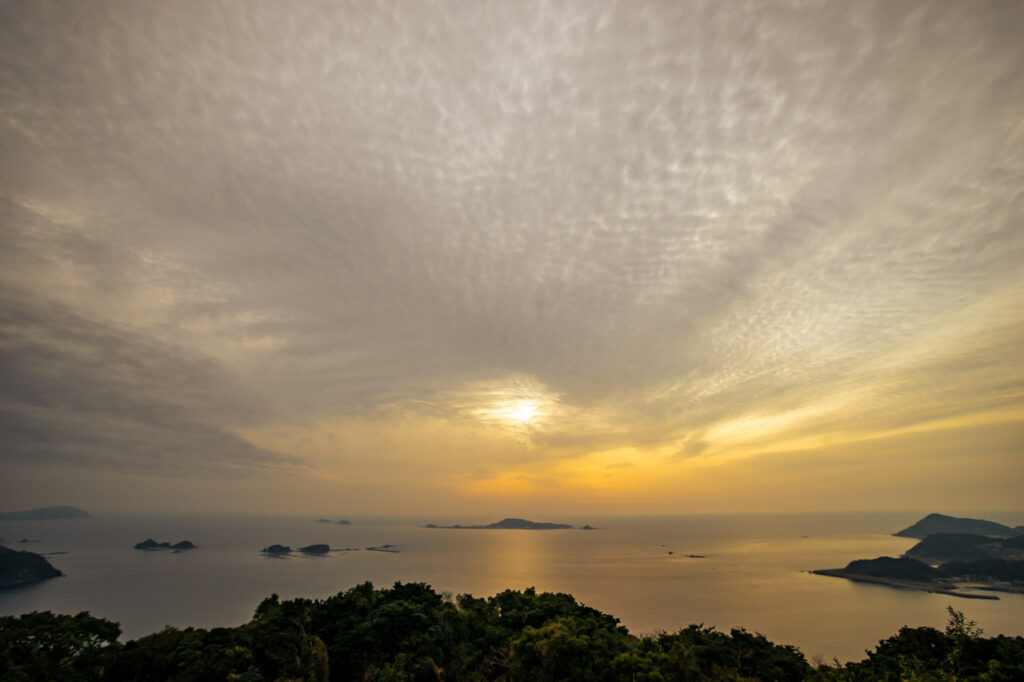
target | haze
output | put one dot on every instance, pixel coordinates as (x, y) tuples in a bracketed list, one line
[(512, 257)]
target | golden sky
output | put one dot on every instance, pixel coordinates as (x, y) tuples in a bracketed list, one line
[(514, 257)]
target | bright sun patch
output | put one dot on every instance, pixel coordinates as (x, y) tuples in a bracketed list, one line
[(512, 402), (523, 411)]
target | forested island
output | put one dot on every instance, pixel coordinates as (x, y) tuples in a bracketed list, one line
[(410, 632)]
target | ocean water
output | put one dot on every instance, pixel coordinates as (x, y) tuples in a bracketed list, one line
[(754, 573)]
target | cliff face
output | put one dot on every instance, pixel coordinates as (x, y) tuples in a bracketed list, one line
[(23, 568)]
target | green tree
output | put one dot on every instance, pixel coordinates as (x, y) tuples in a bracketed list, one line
[(44, 646)]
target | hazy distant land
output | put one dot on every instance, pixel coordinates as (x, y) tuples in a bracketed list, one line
[(511, 524), (46, 514), (946, 562)]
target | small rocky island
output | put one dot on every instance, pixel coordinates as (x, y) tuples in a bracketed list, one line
[(509, 524), (339, 522), (46, 514), (151, 544), (277, 549), (948, 562), (23, 568), (315, 549)]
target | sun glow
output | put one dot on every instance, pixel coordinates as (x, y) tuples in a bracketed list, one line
[(522, 411), (516, 402)]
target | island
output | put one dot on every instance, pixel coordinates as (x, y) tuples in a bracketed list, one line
[(315, 549), (151, 544), (508, 524), (46, 514), (340, 522), (277, 549), (940, 523), (23, 568)]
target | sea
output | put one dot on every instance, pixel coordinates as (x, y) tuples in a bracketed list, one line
[(655, 573)]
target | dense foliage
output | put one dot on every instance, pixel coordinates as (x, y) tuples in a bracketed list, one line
[(410, 632)]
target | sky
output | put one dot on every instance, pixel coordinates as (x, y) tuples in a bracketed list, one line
[(474, 259)]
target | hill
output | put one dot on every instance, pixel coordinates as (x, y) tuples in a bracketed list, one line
[(889, 567), (939, 523), (985, 570), (23, 568), (943, 547)]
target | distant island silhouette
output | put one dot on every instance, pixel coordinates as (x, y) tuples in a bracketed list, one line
[(23, 568), (46, 514), (277, 549), (315, 549), (320, 548), (150, 543), (509, 524), (340, 522)]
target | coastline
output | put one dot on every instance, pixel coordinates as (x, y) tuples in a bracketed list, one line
[(935, 588)]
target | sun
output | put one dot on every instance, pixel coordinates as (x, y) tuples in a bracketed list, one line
[(522, 411), (520, 405)]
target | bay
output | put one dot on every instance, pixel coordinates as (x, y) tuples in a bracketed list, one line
[(749, 571)]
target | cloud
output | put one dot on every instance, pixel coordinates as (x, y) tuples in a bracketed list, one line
[(79, 392), (673, 220)]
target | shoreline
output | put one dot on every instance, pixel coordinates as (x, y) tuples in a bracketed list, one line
[(935, 588)]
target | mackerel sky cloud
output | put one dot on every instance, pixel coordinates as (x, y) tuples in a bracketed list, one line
[(549, 253)]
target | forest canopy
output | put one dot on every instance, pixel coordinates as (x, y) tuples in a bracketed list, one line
[(411, 632)]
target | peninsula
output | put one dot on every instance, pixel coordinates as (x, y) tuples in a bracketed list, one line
[(45, 514), (947, 562), (23, 568), (950, 579), (509, 524)]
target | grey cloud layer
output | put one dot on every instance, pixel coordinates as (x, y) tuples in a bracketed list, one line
[(690, 211)]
